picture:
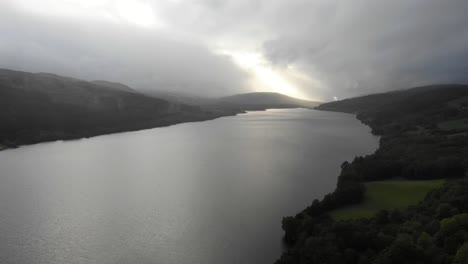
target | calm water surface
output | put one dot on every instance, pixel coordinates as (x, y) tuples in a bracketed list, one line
[(208, 192)]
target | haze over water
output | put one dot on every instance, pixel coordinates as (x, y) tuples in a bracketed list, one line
[(207, 192)]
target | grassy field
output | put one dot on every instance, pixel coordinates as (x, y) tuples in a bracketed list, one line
[(454, 124), (394, 194)]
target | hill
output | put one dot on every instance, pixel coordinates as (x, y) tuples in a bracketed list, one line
[(114, 85), (366, 219), (37, 107), (265, 100), (43, 107), (402, 101), (182, 98), (423, 106), (236, 103)]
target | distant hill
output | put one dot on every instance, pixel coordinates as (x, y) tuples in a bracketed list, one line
[(266, 99), (114, 85), (420, 106), (40, 88), (402, 101), (424, 136), (43, 107), (239, 102), (37, 107), (183, 98)]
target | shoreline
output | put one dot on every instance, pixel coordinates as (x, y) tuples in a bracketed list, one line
[(14, 145), (404, 151)]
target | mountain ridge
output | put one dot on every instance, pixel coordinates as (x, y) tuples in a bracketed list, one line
[(424, 136), (38, 107), (267, 98)]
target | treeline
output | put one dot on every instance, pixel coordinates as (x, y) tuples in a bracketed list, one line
[(411, 147), (405, 104), (404, 110), (435, 231)]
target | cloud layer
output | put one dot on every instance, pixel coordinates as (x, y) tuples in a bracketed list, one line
[(365, 46), (324, 48), (95, 48)]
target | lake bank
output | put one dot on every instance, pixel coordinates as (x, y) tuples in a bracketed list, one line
[(50, 136), (411, 147), (163, 122)]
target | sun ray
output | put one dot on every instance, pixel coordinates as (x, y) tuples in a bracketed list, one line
[(264, 76)]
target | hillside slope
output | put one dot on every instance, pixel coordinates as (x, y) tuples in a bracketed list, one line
[(43, 107), (266, 99), (183, 98), (423, 136), (114, 85), (420, 106), (242, 102), (37, 107)]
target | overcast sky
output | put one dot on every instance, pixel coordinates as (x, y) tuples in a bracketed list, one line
[(315, 49)]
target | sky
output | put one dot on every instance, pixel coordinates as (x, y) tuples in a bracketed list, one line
[(311, 49)]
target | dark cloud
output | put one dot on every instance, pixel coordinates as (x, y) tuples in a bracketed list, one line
[(140, 57), (366, 46), (346, 48)]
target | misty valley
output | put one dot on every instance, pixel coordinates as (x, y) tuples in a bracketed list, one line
[(124, 176), (44, 107), (233, 132)]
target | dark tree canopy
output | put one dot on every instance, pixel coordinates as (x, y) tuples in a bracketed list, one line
[(413, 146)]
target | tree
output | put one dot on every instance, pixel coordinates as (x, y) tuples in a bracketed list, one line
[(462, 255), (402, 250), (290, 226), (425, 240), (444, 210)]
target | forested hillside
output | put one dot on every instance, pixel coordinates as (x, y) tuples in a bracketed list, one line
[(42, 107), (262, 100), (420, 106), (424, 135)]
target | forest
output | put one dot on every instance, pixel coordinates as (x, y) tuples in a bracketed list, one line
[(414, 145), (46, 107), (38, 107)]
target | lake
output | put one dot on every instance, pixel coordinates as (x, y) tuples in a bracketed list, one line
[(207, 192)]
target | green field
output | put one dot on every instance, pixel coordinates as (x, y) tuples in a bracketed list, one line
[(394, 194), (454, 124)]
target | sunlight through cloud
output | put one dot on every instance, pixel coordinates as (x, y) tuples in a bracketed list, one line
[(264, 76)]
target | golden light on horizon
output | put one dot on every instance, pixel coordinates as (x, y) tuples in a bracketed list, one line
[(265, 78)]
